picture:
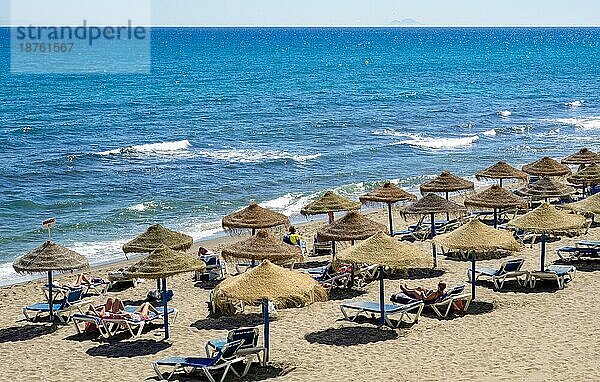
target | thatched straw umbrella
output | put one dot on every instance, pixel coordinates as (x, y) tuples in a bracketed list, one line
[(546, 188), (389, 194), (546, 166), (161, 263), (588, 176), (50, 257), (583, 156), (589, 205), (446, 182), (156, 236), (254, 217), (262, 246), (353, 226), (432, 204), (269, 282), (494, 198), (500, 171), (384, 250), (329, 203), (547, 219), (477, 237)]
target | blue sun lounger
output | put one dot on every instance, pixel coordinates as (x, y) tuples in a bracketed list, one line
[(63, 310), (562, 274), (223, 361), (583, 249), (442, 305), (508, 270), (248, 349), (374, 308)]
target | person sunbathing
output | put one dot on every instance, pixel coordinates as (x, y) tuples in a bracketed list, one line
[(424, 294), (114, 308)]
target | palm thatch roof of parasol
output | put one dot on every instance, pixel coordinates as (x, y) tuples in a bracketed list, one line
[(164, 262), (547, 188), (285, 288), (254, 217), (432, 204), (388, 193), (494, 197), (589, 175), (155, 236), (329, 202), (583, 156), (546, 166), (478, 237), (386, 251), (50, 257), (547, 219), (501, 170), (589, 205), (262, 246), (446, 182), (353, 226)]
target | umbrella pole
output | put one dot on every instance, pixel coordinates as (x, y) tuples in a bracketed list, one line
[(473, 275), (543, 265), (500, 182), (165, 311), (433, 249), (381, 296), (447, 214), (495, 218), (390, 219), (265, 311), (50, 302), (158, 288)]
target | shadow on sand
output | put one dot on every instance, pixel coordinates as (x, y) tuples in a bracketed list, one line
[(25, 333), (228, 322), (345, 294), (128, 349), (352, 335), (475, 308), (415, 274), (256, 373)]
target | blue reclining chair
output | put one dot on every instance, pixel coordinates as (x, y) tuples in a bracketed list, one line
[(374, 308), (72, 301), (248, 349), (508, 270), (222, 361)]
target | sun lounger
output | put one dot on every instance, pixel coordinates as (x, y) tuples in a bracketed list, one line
[(562, 274), (222, 361), (111, 325), (508, 270), (576, 253), (248, 349), (588, 243), (63, 310), (374, 308), (117, 277), (442, 306), (329, 280)]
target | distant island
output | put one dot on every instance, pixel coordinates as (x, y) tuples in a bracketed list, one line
[(405, 22)]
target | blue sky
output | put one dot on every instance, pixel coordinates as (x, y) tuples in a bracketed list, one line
[(365, 12)]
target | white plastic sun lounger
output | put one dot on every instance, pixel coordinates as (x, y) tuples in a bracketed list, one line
[(562, 274), (374, 308)]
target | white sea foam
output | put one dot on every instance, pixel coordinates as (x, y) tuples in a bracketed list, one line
[(574, 104), (141, 206), (256, 156), (439, 143), (583, 123), (504, 113), (160, 148), (490, 133)]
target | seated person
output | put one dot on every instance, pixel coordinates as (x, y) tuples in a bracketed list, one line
[(114, 308), (424, 294), (293, 238)]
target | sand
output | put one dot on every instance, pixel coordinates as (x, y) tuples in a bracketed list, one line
[(514, 334)]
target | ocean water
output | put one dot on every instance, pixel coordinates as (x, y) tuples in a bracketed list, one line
[(277, 116)]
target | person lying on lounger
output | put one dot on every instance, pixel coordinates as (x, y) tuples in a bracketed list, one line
[(115, 307), (424, 294)]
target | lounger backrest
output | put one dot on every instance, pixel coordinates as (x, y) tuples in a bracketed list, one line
[(227, 351), (248, 336), (75, 295), (511, 266), (210, 260)]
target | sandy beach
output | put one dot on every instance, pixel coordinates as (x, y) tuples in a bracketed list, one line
[(513, 334)]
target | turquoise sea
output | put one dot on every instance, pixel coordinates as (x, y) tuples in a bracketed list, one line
[(278, 115)]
